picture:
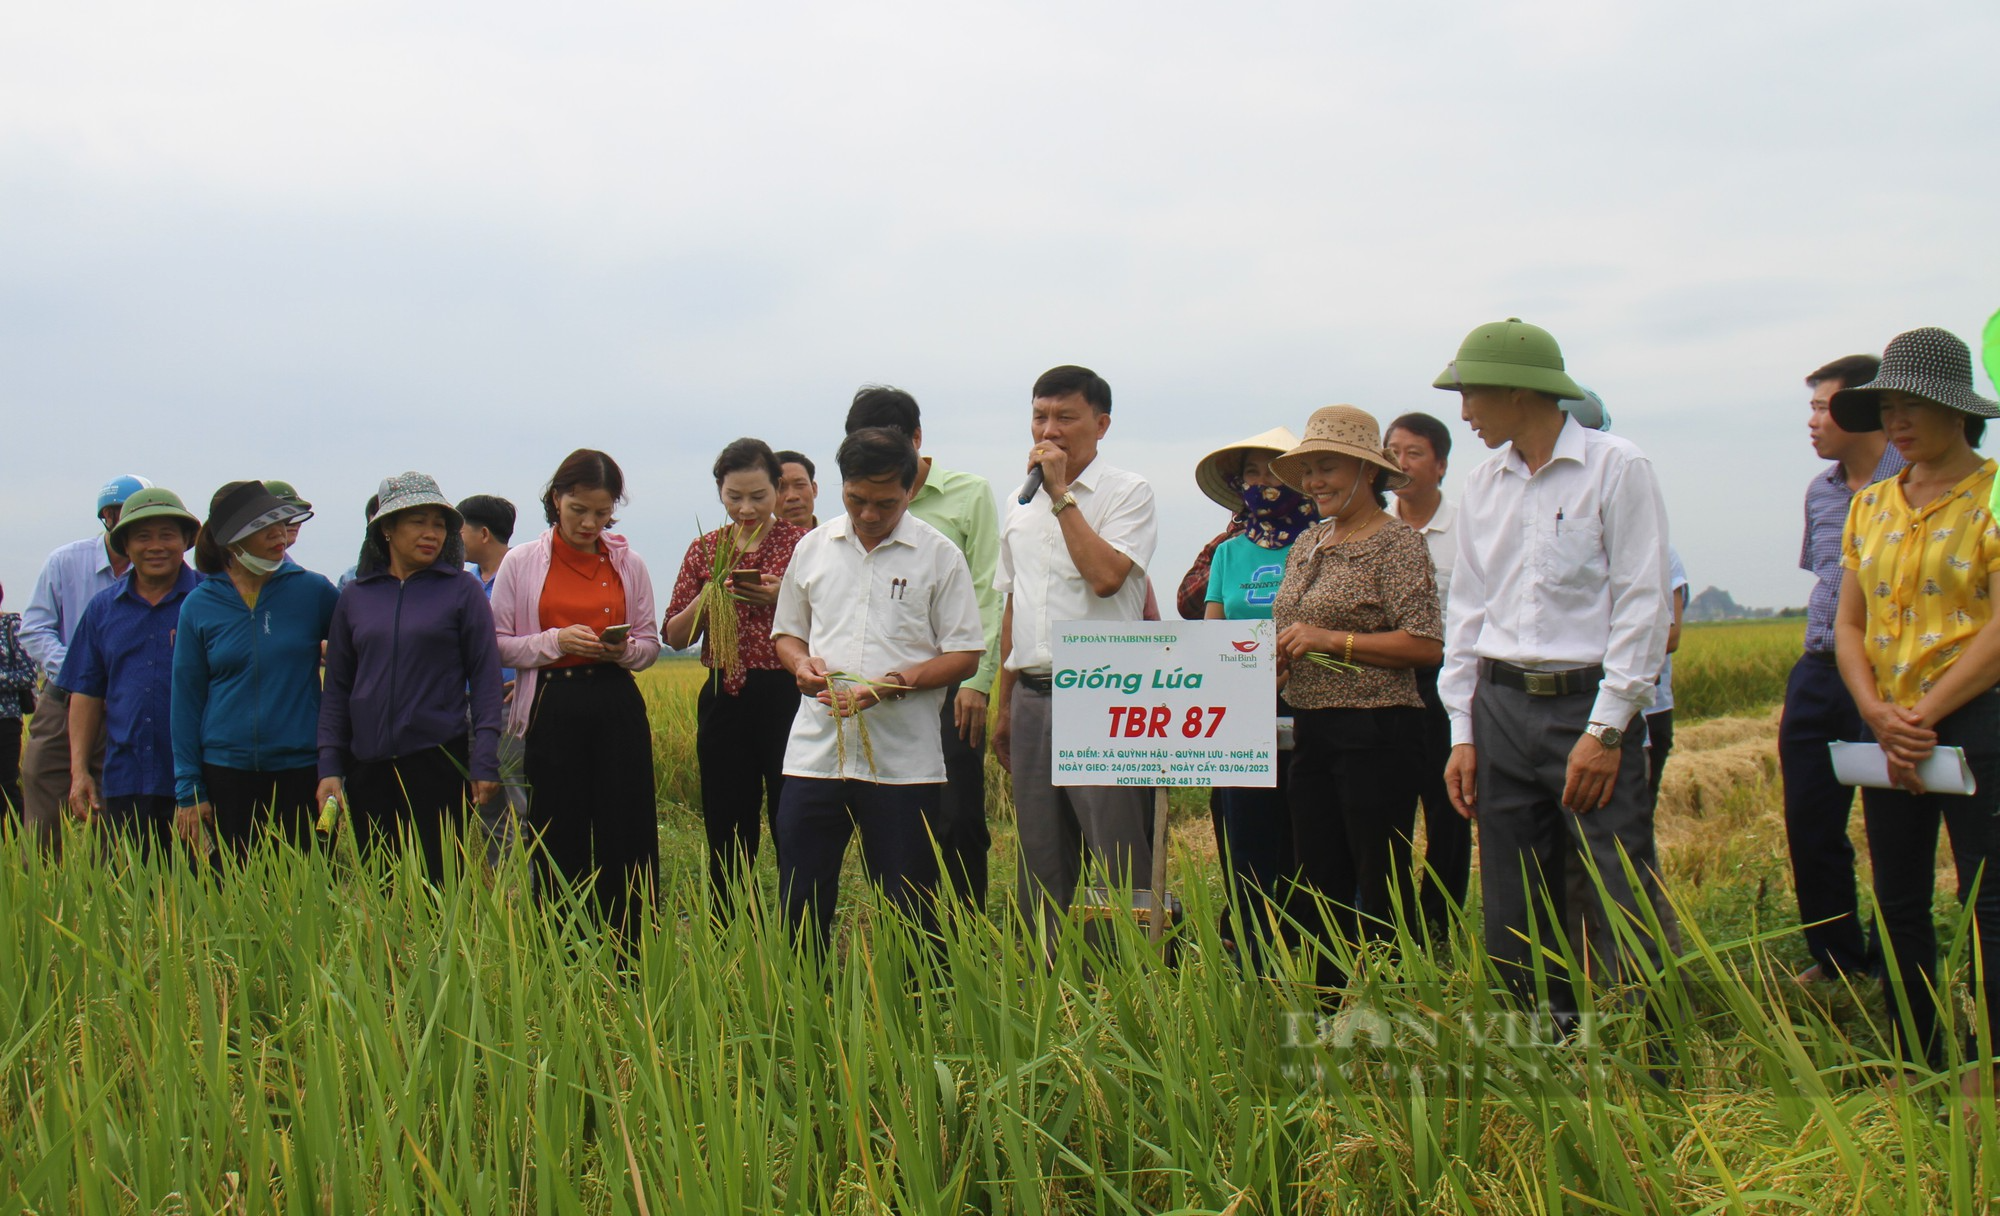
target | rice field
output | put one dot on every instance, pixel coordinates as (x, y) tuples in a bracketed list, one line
[(314, 1034)]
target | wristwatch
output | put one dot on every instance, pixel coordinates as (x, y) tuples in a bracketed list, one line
[(1610, 736), (1067, 500)]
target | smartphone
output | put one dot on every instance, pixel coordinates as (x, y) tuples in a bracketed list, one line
[(745, 576), (615, 635)]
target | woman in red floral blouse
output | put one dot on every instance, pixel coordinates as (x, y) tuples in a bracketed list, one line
[(745, 713)]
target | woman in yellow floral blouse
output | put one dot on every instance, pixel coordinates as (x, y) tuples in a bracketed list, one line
[(1919, 651)]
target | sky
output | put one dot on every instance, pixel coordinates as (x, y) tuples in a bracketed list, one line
[(329, 242)]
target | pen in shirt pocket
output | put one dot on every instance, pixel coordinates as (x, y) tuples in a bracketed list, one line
[(1559, 521)]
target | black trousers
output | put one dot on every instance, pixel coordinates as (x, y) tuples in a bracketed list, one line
[(739, 740), (1354, 805), (10, 769), (1819, 711), (421, 795), (146, 819), (964, 839), (589, 760), (247, 802), (1447, 868), (1659, 745), (1902, 844), (815, 822)]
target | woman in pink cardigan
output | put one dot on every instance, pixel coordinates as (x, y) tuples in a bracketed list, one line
[(575, 616)]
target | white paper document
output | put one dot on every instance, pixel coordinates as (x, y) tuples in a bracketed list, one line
[(1944, 772)]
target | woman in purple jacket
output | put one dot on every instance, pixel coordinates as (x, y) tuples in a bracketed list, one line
[(412, 641)]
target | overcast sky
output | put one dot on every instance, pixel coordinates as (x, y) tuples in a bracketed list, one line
[(330, 242)]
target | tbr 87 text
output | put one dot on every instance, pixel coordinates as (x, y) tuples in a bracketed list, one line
[(1139, 722)]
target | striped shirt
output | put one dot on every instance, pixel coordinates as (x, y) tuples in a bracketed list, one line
[(1827, 500)]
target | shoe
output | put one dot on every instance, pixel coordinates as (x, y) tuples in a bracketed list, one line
[(1818, 973)]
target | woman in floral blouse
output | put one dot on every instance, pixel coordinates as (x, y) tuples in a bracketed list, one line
[(1356, 613), (1918, 648), (745, 711)]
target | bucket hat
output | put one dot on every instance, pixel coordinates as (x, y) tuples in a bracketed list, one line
[(1344, 429), (405, 491), (1212, 474), (1510, 354), (248, 508), (153, 503), (1931, 363)]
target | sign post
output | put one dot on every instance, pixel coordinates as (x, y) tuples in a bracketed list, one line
[(1164, 704)]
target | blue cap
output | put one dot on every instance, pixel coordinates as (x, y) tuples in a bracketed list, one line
[(1589, 410), (118, 489)]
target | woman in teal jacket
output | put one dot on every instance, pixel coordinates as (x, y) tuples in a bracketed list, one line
[(246, 676)]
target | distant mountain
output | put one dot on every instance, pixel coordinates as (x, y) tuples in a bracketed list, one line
[(1715, 604)]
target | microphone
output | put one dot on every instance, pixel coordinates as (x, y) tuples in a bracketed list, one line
[(1029, 486)]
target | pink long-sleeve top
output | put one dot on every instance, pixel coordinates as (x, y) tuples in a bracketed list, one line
[(527, 647)]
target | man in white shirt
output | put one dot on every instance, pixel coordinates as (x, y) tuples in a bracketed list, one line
[(1556, 629), (1421, 445), (876, 617), (1078, 550)]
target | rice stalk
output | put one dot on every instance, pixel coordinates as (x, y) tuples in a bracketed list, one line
[(718, 602)]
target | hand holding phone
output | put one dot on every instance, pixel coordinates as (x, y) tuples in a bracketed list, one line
[(614, 637)]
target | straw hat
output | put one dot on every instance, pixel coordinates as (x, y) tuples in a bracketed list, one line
[(1931, 363), (1510, 354), (1215, 469), (1347, 431)]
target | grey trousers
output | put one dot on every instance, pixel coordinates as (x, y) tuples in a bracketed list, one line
[(1527, 840), (45, 764), (1057, 825)]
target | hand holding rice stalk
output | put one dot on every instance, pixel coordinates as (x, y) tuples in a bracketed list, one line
[(718, 602), (1329, 662), (843, 700)]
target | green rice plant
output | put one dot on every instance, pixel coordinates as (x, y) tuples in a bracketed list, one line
[(1735, 667), (718, 601)]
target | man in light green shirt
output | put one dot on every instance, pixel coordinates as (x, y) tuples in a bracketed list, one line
[(960, 505)]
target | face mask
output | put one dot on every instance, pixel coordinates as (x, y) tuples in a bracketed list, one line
[(1273, 516), (259, 566)]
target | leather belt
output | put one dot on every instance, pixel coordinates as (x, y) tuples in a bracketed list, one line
[(1034, 681), (1574, 682)]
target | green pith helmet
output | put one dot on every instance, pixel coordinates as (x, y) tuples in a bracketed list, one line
[(153, 503), (1510, 354), (283, 492)]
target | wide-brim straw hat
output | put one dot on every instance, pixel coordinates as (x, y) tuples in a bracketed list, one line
[(1343, 429), (406, 491), (1212, 474), (1510, 354), (1931, 363)]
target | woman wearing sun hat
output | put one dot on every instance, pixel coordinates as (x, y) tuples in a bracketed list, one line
[(1358, 592), (1253, 829), (1919, 650), (246, 675), (411, 650)]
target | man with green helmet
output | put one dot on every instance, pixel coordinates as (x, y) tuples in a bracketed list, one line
[(1557, 627), (283, 492), (118, 672)]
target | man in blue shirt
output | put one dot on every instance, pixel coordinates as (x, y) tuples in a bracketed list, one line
[(70, 579), (1818, 708), (119, 672)]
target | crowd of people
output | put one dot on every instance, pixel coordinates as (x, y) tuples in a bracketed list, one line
[(1502, 660)]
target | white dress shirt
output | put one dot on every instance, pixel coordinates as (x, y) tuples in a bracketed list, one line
[(1561, 569), (868, 613), (1442, 541), (1035, 566), (70, 579)]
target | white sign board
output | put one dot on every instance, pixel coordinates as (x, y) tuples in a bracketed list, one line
[(1164, 703)]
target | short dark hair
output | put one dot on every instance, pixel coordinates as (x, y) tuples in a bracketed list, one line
[(491, 512), (1975, 429), (881, 405), (788, 456), (874, 452), (1379, 483), (1428, 429), (745, 455), (583, 469), (211, 556), (1069, 378), (1850, 370)]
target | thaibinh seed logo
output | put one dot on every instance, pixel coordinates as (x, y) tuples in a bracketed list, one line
[(1243, 653), (1246, 647)]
